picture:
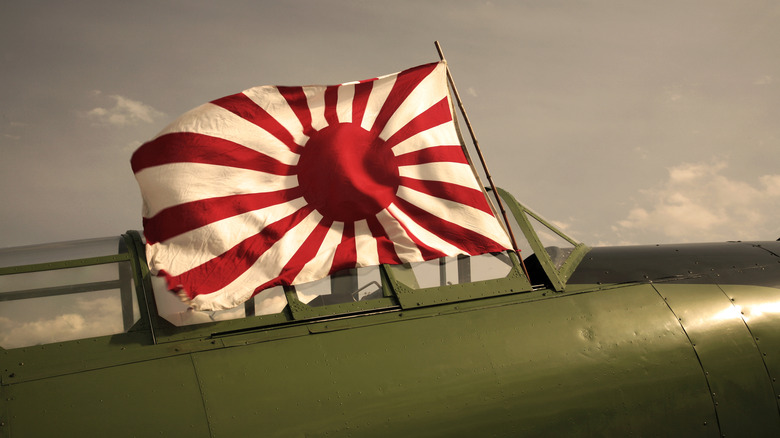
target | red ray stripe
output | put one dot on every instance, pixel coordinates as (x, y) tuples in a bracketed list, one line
[(331, 102), (242, 106), (306, 252), (182, 218), (190, 147), (404, 84), (451, 192), (436, 115), (360, 100), (346, 251), (222, 270), (384, 246), (427, 252), (296, 98), (458, 236), (434, 154), (267, 285)]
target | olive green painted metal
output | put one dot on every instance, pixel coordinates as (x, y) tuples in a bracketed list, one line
[(487, 358), (301, 311), (150, 398), (604, 363), (557, 276), (134, 244), (410, 295), (759, 308), (739, 383), (64, 264), (552, 367)]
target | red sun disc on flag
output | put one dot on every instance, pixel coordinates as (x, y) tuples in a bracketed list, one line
[(346, 173)]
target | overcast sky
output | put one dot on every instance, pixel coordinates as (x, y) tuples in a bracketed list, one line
[(623, 122)]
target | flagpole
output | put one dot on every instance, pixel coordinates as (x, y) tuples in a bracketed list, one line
[(479, 154)]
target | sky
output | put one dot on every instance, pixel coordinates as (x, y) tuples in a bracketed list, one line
[(622, 122)]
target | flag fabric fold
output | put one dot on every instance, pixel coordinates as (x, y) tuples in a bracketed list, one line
[(286, 185)]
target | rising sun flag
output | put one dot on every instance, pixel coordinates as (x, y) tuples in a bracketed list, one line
[(287, 185)]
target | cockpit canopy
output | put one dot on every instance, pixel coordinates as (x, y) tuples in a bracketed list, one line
[(64, 291), (102, 287)]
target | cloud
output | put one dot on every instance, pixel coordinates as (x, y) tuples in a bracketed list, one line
[(125, 112), (14, 126), (94, 316), (698, 203), (641, 152), (764, 80)]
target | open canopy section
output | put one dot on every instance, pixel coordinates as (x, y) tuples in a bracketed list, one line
[(549, 254), (64, 291)]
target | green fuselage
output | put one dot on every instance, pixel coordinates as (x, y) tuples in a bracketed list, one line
[(644, 341)]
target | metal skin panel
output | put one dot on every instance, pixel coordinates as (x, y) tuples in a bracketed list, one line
[(601, 359), (760, 309), (608, 363), (739, 263), (738, 379), (152, 398)]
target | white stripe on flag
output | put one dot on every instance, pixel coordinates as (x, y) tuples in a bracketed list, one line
[(430, 91), (344, 103), (267, 267), (404, 246), (268, 98), (315, 98), (455, 173), (177, 183), (365, 243), (214, 239), (442, 135), (426, 236), (376, 100), (319, 266), (215, 121), (468, 217)]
